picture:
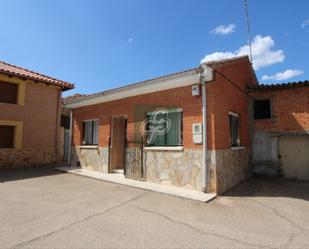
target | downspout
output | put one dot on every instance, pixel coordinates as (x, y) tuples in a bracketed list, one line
[(70, 136), (57, 125), (205, 152), (206, 74)]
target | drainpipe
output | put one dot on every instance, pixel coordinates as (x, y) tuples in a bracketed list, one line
[(58, 117), (70, 136), (205, 75)]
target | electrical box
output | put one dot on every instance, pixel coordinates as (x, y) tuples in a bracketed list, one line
[(195, 90), (197, 133)]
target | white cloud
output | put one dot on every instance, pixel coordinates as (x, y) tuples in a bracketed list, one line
[(130, 40), (224, 29), (288, 74), (305, 23), (262, 52)]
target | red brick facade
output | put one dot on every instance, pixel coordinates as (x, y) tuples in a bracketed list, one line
[(40, 119), (228, 92), (135, 109), (289, 107)]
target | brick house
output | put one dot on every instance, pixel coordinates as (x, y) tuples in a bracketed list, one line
[(30, 105), (281, 129), (107, 137)]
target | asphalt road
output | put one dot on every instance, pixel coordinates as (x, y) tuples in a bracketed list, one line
[(44, 208)]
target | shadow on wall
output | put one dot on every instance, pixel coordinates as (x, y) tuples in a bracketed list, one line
[(266, 186), (22, 174)]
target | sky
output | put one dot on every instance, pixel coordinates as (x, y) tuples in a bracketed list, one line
[(103, 44)]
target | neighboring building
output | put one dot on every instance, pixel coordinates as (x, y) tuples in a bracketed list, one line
[(107, 133), (30, 109), (281, 129)]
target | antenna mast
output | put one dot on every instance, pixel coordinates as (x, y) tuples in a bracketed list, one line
[(248, 28)]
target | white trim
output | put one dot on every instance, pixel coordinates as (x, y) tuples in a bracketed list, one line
[(238, 147), (163, 148), (234, 114), (88, 146), (138, 90)]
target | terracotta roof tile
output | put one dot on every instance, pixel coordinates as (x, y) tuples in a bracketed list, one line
[(17, 71)]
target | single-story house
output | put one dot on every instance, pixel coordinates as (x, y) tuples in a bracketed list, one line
[(189, 129), (30, 109)]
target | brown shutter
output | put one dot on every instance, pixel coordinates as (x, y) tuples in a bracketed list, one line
[(8, 92), (6, 136)]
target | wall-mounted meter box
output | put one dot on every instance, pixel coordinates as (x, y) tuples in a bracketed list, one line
[(196, 90), (197, 133)]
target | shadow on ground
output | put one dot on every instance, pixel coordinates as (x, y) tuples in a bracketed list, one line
[(264, 186), (21, 174)]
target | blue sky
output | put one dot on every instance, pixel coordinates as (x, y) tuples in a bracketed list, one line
[(102, 44)]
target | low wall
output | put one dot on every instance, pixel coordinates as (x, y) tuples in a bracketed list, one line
[(13, 159), (228, 168)]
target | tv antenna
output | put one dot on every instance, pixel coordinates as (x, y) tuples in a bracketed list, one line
[(248, 28)]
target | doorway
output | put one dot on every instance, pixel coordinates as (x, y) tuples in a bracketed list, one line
[(117, 144)]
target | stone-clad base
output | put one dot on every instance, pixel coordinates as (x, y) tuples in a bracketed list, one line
[(13, 159), (92, 159), (178, 168), (228, 168)]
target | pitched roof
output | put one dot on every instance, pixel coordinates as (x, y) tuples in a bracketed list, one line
[(20, 72), (192, 71), (286, 85)]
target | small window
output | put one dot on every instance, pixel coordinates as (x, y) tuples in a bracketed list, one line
[(169, 128), (91, 130), (234, 129), (8, 93), (261, 109), (7, 136)]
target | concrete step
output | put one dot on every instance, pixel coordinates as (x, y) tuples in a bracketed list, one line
[(118, 171)]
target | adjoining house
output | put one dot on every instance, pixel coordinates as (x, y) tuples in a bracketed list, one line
[(30, 109), (281, 129), (113, 130)]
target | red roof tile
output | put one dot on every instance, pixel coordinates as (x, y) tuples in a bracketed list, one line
[(28, 74)]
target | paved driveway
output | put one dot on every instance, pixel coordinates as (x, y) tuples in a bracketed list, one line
[(48, 209)]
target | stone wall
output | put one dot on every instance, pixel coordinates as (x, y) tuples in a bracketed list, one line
[(91, 158), (228, 168), (178, 168), (12, 158)]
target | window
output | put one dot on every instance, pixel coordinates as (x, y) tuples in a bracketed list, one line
[(169, 131), (91, 130), (8, 92), (261, 109), (7, 136), (234, 129)]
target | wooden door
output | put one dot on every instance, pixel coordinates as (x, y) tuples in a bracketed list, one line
[(117, 143)]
